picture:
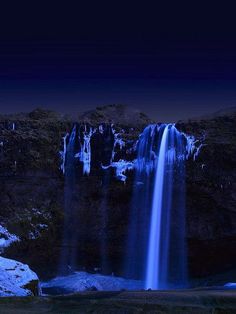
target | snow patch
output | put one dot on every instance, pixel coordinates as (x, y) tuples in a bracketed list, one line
[(85, 153), (118, 141), (191, 148), (101, 129), (6, 238), (14, 276), (121, 167), (36, 233), (198, 151), (230, 285), (82, 281)]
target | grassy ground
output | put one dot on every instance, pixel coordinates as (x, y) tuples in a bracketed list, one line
[(185, 301)]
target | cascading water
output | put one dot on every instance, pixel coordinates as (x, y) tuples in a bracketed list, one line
[(69, 242), (76, 155), (135, 258), (156, 250), (166, 258), (156, 241), (76, 160), (103, 143)]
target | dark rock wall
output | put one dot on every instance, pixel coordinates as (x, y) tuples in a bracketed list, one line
[(32, 194), (211, 196)]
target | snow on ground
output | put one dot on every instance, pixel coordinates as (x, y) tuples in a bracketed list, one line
[(231, 285), (6, 238), (82, 281), (13, 278)]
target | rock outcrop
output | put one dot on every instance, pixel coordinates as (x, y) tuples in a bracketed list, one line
[(17, 279), (211, 194), (82, 281)]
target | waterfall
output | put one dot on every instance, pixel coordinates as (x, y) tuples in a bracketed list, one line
[(76, 160), (166, 257), (134, 263), (156, 250), (105, 140), (69, 242)]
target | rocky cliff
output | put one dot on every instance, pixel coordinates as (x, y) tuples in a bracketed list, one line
[(211, 194), (32, 190)]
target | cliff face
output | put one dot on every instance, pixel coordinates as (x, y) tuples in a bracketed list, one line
[(32, 191), (211, 194)]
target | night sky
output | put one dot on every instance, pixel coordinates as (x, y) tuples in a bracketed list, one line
[(171, 62)]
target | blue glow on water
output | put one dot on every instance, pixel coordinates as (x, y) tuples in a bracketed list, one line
[(135, 258), (166, 256), (68, 252), (156, 250), (153, 264)]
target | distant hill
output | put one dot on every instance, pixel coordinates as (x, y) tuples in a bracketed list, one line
[(117, 114), (231, 111), (36, 114), (225, 112)]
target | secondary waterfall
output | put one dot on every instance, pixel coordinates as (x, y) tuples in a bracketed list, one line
[(69, 241), (166, 257), (135, 259), (77, 159)]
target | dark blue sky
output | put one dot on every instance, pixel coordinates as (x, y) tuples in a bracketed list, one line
[(170, 62)]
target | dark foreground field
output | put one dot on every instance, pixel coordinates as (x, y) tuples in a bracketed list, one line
[(191, 301)]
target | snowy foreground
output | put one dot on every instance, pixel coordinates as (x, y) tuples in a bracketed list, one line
[(17, 279), (82, 281), (230, 285), (6, 238)]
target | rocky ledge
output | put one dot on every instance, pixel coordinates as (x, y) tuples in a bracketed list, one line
[(17, 279)]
